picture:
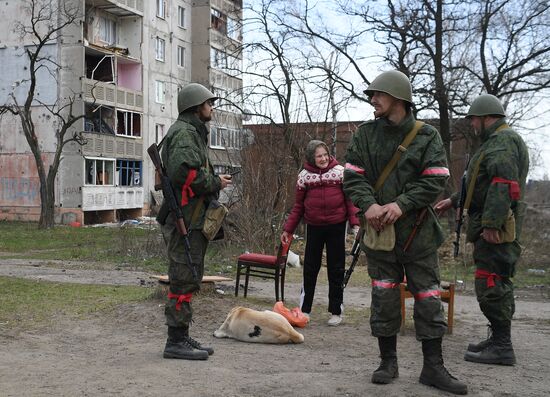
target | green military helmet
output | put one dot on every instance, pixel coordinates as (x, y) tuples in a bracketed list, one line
[(193, 94), (486, 105), (394, 83)]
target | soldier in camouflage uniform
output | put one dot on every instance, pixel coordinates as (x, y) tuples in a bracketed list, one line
[(185, 157), (500, 168), (415, 182)]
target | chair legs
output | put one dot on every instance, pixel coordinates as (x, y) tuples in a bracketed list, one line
[(238, 280), (278, 276)]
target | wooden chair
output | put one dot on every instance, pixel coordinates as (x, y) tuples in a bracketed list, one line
[(266, 267), (447, 295)]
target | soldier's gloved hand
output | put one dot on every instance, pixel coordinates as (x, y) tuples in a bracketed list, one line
[(355, 231)]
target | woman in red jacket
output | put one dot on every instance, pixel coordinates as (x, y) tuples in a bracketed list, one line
[(321, 202)]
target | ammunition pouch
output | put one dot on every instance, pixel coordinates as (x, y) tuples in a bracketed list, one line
[(213, 219), (383, 240), (508, 232)]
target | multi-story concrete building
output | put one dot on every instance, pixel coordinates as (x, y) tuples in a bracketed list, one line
[(124, 62)]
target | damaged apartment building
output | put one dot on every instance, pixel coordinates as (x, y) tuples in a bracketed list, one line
[(124, 62)]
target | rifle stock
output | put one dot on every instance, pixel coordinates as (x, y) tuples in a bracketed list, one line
[(170, 198), (355, 252)]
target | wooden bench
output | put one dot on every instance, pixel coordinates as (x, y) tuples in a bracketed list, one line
[(447, 295)]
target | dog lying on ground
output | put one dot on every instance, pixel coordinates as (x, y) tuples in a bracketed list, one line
[(249, 325)]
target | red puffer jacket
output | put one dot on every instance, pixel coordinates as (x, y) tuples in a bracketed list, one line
[(320, 199)]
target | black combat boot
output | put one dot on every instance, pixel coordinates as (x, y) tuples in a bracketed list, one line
[(434, 372), (177, 346), (477, 347), (197, 345), (388, 370), (500, 351)]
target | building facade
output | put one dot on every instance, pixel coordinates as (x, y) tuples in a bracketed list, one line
[(123, 62)]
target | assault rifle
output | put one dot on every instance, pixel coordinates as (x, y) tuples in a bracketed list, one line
[(459, 218), (355, 252), (170, 198)]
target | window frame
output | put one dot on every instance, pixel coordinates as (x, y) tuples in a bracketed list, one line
[(181, 17), (136, 166), (129, 119), (103, 160), (160, 49), (107, 27), (160, 92), (182, 57), (159, 128), (161, 9)]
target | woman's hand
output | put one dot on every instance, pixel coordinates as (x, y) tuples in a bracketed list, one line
[(285, 237)]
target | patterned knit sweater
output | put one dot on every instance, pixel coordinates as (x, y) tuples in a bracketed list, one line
[(320, 199)]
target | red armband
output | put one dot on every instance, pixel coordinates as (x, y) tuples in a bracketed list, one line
[(513, 187), (186, 191)]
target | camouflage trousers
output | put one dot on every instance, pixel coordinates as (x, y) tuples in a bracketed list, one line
[(496, 296), (179, 313), (423, 281)]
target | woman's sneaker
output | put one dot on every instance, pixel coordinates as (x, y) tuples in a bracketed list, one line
[(335, 320)]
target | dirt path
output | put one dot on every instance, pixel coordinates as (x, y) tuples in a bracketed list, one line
[(120, 353)]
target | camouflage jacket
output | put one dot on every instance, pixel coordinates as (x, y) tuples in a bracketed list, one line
[(500, 182), (185, 150), (417, 180)]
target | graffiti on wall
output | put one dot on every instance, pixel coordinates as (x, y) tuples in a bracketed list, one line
[(19, 191)]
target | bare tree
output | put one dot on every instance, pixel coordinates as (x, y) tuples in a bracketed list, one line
[(510, 55), (45, 25)]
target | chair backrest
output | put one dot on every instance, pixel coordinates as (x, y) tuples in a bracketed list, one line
[(282, 252)]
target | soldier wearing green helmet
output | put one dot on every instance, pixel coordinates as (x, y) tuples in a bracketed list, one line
[(185, 156), (496, 179), (390, 205)]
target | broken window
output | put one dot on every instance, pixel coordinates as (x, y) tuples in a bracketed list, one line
[(100, 67), (129, 172), (99, 171), (99, 119), (128, 123), (218, 21)]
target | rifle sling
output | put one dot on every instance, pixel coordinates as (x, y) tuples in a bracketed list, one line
[(397, 155)]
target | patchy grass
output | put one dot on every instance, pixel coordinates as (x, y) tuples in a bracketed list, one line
[(31, 304)]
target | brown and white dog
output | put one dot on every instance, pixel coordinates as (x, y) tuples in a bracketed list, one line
[(249, 325)]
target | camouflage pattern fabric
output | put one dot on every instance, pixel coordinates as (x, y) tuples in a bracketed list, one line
[(422, 280), (410, 185), (416, 182), (185, 149), (505, 156)]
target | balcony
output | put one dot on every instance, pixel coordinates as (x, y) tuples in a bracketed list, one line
[(112, 95), (121, 8), (99, 198)]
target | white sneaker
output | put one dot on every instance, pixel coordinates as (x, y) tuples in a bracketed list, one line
[(307, 316), (334, 320)]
